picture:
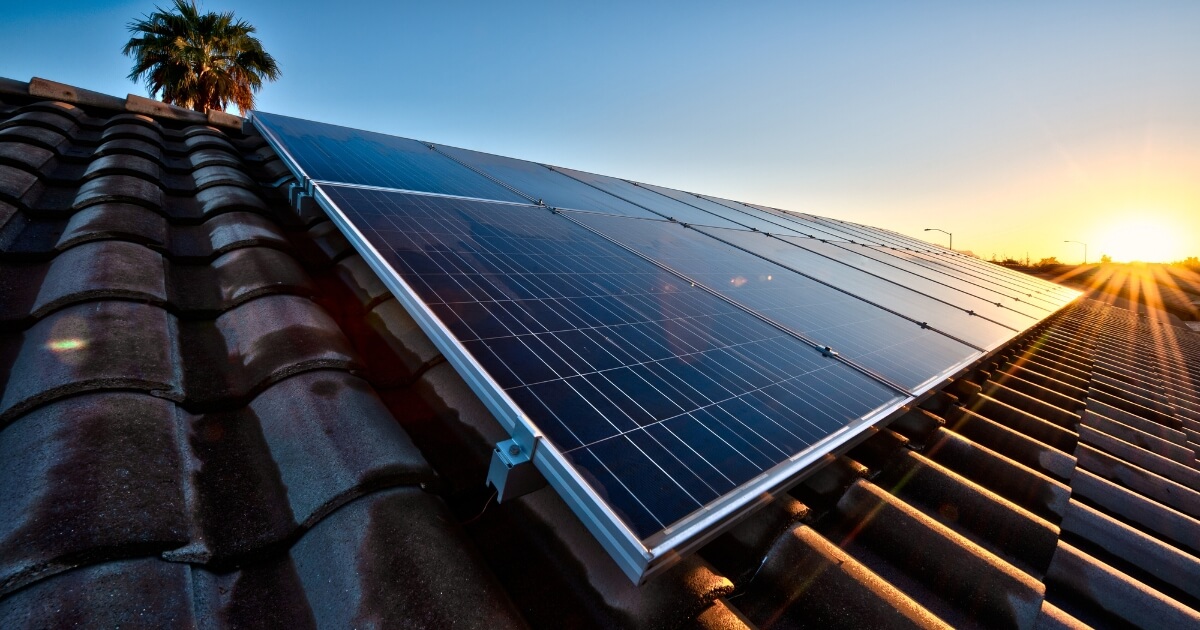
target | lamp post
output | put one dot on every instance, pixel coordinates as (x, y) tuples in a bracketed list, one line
[(1084, 249), (943, 232)]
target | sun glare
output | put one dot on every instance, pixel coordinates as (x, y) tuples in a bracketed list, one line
[(1140, 238)]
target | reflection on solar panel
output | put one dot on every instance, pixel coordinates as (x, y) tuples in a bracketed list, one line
[(666, 360)]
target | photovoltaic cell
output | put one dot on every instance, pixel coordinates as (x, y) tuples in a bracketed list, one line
[(542, 183), (664, 396), (945, 316), (899, 349), (332, 153), (1037, 286), (664, 206), (978, 298)]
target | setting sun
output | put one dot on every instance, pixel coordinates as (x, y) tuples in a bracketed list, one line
[(1141, 237)]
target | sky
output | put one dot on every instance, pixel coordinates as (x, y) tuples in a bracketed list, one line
[(1016, 126)]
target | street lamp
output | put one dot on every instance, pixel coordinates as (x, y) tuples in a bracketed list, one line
[(1084, 249), (943, 232)]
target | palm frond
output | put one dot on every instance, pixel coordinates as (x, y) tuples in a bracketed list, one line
[(199, 60)]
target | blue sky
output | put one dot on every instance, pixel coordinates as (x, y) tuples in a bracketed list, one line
[(1014, 125)]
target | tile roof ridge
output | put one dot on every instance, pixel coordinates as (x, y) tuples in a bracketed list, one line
[(38, 87)]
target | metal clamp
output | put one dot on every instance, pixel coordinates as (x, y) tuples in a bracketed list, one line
[(512, 472)]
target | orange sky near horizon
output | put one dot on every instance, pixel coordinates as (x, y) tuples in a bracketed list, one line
[(1133, 203)]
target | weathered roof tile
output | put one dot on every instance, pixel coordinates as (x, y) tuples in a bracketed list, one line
[(89, 478), (18, 185), (119, 188), (256, 343), (120, 163), (116, 221), (224, 198), (131, 146), (143, 593), (27, 157), (102, 269), (109, 345)]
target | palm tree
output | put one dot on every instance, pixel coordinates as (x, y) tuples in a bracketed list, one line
[(202, 61)]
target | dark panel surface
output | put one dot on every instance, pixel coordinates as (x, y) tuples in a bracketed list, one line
[(899, 349), (667, 207), (340, 154), (664, 396), (541, 183), (947, 317)]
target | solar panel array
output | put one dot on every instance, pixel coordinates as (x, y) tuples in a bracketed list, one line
[(678, 355)]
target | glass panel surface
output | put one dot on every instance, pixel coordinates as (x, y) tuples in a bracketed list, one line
[(664, 396), (998, 276), (984, 292), (842, 269), (666, 207), (737, 214), (898, 349), (340, 154), (1035, 285), (540, 182)]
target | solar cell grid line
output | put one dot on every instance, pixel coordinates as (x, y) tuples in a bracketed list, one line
[(738, 214), (1016, 294), (1027, 286), (1031, 286), (902, 351), (325, 152), (665, 398), (541, 183), (999, 277), (824, 247), (1037, 284), (924, 276), (793, 221), (659, 204), (972, 320)]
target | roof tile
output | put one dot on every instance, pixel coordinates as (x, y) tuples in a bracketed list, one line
[(138, 130), (436, 583), (243, 229), (223, 198), (235, 277), (120, 163), (143, 593), (131, 146), (18, 186), (256, 343), (218, 174), (119, 188), (809, 582), (38, 136), (89, 346), (89, 478), (102, 269), (116, 221), (27, 157)]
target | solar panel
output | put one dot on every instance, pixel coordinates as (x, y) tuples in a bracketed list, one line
[(621, 364), (900, 350), (542, 183), (663, 206), (666, 360), (324, 152)]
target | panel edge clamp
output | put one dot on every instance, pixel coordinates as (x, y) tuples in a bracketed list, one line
[(512, 472)]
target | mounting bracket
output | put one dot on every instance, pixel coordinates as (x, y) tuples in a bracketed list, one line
[(512, 472)]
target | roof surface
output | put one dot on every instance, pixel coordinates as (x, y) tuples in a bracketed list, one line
[(213, 414)]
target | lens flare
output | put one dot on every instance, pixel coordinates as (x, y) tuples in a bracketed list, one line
[(65, 345)]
